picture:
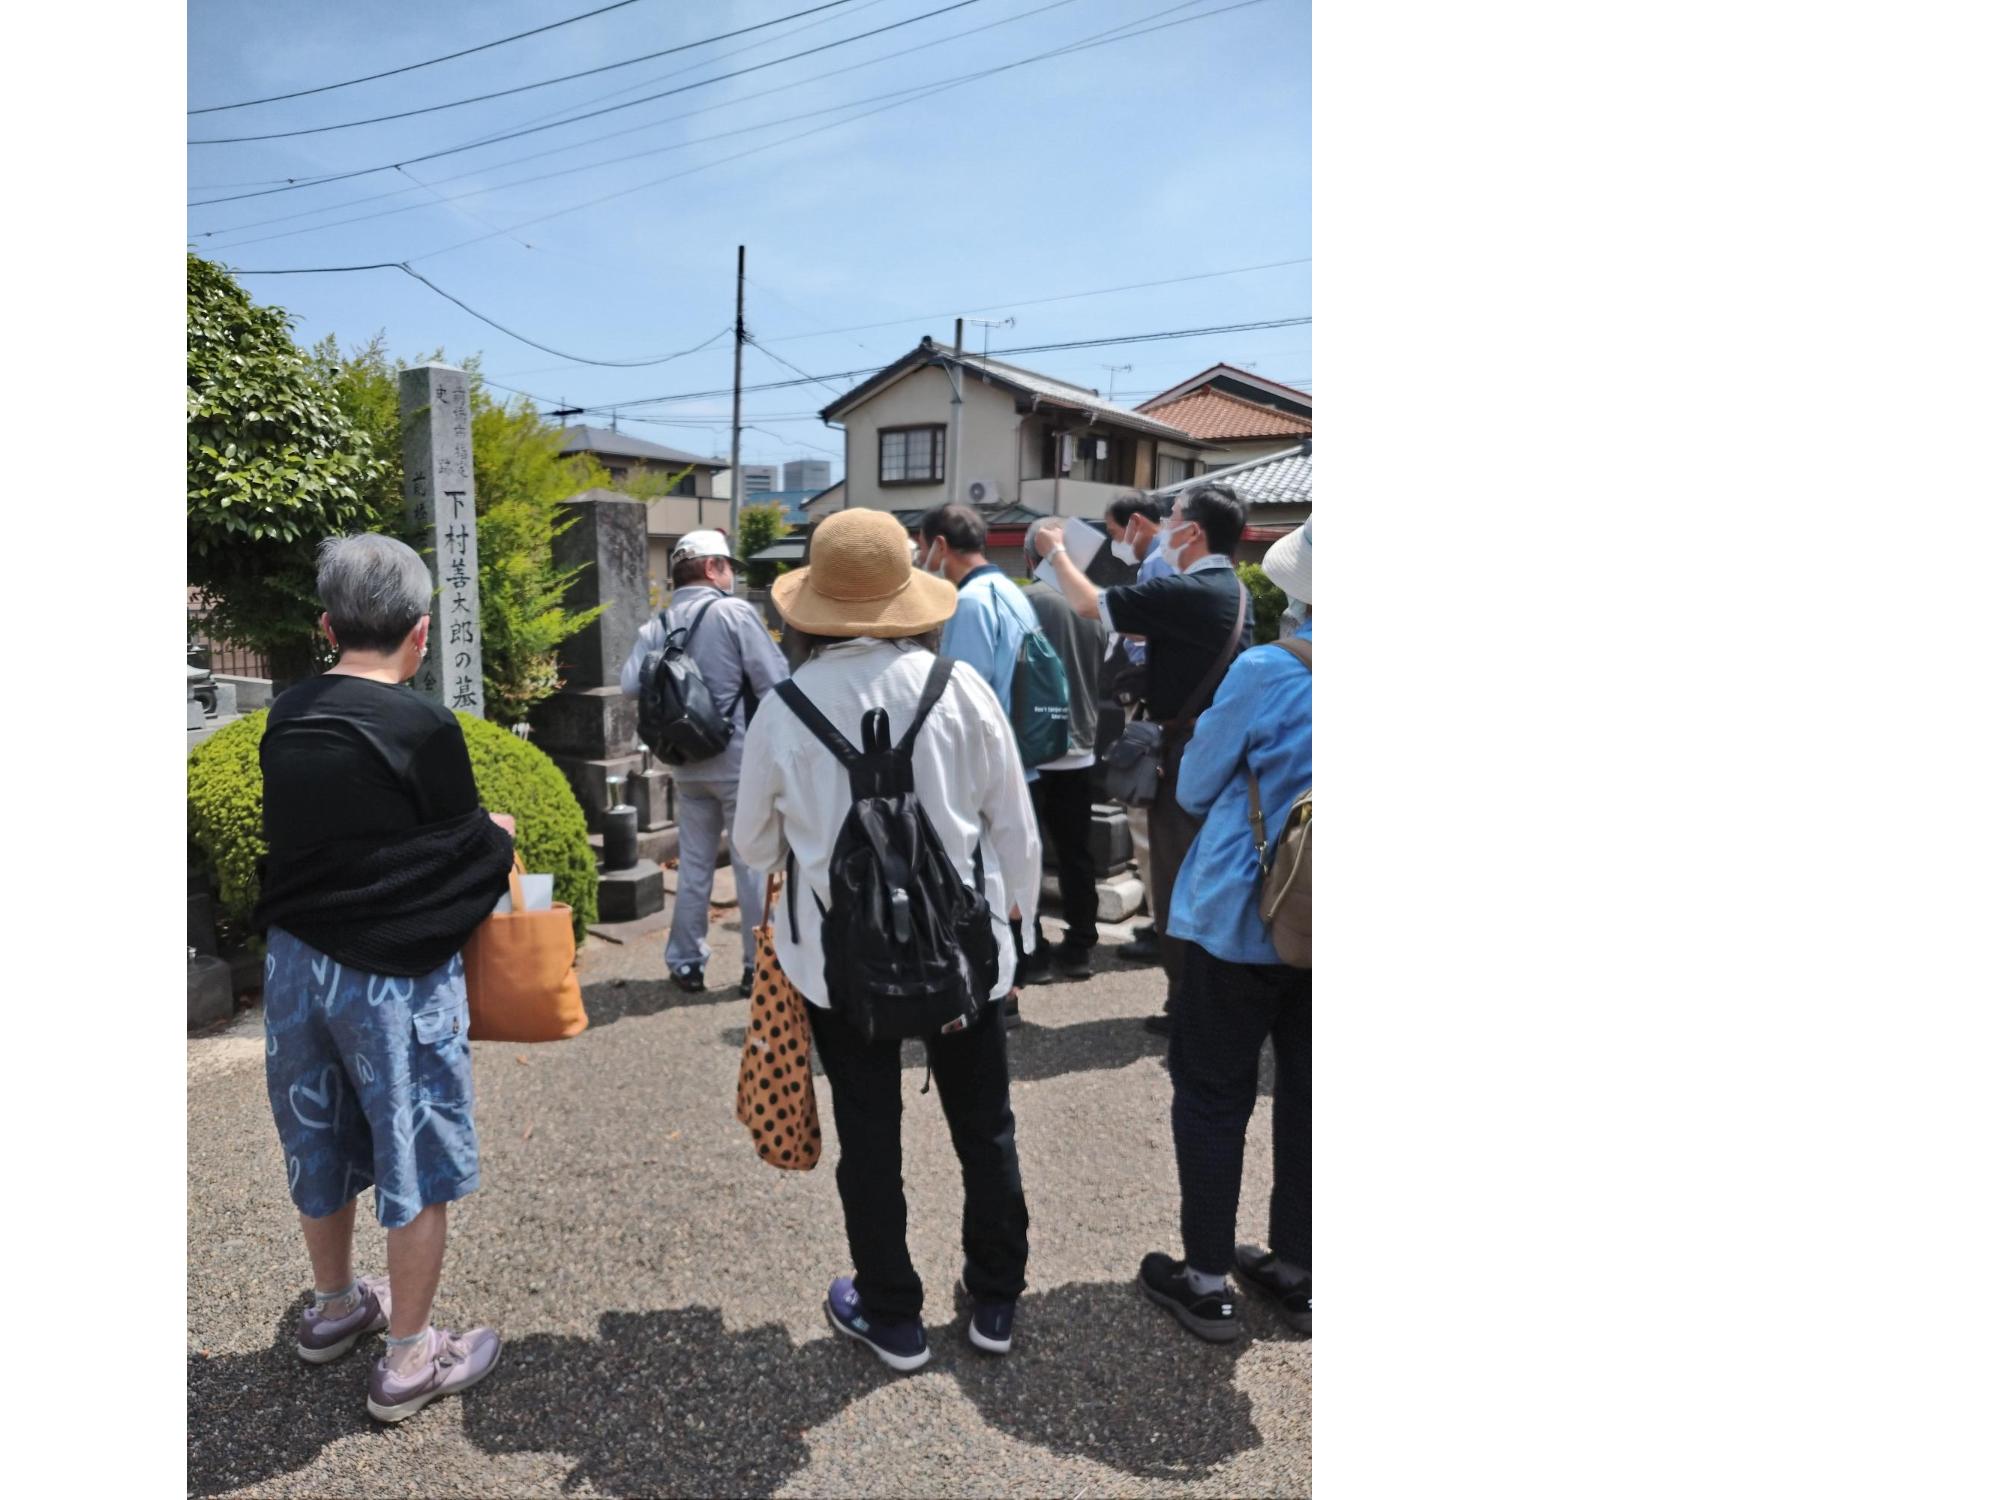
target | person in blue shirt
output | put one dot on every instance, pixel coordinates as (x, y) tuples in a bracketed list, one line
[(1235, 992), (985, 631)]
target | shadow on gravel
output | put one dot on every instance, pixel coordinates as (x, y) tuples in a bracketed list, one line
[(252, 1417), (670, 1402), (611, 1000)]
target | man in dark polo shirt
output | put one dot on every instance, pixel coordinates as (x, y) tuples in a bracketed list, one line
[(1195, 621)]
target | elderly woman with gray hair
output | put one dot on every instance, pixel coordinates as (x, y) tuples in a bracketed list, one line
[(381, 864)]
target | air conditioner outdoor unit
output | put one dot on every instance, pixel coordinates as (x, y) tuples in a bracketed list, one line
[(981, 492)]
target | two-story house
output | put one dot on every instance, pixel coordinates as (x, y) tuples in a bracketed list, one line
[(940, 424), (690, 505), (1241, 413)]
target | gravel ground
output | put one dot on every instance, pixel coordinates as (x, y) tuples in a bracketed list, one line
[(659, 1288)]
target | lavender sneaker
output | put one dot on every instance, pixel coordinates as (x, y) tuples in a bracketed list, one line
[(900, 1346), (458, 1362), (323, 1339)]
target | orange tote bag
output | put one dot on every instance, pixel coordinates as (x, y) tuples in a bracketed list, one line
[(520, 973)]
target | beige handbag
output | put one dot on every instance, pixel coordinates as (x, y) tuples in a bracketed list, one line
[(1284, 896), (774, 1085)]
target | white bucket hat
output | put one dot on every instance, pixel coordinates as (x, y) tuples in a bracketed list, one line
[(1289, 563)]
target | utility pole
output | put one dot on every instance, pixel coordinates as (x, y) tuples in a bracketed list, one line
[(955, 375), (736, 410)]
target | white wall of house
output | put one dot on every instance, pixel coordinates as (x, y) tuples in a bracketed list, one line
[(990, 435)]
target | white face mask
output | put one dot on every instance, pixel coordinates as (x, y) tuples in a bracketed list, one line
[(934, 561), (1172, 552), (1124, 553)]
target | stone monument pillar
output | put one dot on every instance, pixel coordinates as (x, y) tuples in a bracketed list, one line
[(437, 492), (591, 729)]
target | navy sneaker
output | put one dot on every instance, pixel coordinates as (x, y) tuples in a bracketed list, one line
[(1206, 1315), (900, 1346), (1256, 1266), (991, 1326), (691, 979)]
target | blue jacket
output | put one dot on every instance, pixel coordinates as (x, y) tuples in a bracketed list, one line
[(1261, 717)]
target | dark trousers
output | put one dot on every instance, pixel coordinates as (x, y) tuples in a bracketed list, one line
[(969, 1072), (1062, 802), (1171, 828), (1222, 1013)]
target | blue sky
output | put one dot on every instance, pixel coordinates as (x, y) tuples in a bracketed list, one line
[(1171, 154)]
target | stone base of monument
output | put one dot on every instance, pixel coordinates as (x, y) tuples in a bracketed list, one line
[(587, 780), (1119, 896), (652, 793), (211, 995), (628, 895), (656, 846), (1110, 841)]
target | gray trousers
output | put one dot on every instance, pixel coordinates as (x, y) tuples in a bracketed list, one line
[(703, 813)]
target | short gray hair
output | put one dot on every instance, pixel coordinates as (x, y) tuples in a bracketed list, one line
[(374, 589)]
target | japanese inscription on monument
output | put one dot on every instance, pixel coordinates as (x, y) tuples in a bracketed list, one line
[(437, 491)]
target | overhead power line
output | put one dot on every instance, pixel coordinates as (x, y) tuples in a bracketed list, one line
[(1101, 39), (410, 271), (323, 88), (279, 135), (787, 88), (1133, 338)]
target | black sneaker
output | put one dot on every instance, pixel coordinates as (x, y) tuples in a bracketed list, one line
[(749, 981), (1034, 968), (1143, 949), (1255, 1265), (1210, 1316), (691, 979), (1010, 1011), (1071, 963)]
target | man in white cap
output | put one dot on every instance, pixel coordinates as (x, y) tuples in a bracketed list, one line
[(740, 663)]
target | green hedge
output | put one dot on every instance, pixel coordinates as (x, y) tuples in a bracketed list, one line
[(226, 812)]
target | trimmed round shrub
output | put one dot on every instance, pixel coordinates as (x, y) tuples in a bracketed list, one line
[(514, 777), (226, 812)]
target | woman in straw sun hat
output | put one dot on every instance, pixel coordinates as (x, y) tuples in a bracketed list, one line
[(866, 625)]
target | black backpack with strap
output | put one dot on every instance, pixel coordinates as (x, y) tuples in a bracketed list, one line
[(678, 718), (910, 949)]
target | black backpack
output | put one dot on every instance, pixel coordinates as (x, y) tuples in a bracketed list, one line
[(909, 947), (678, 718)]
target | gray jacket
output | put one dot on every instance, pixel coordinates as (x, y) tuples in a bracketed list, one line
[(1081, 645), (732, 649)]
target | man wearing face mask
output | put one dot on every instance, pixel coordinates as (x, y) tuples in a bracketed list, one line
[(1133, 524), (1195, 622)]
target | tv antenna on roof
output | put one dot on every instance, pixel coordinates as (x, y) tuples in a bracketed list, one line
[(1111, 386), (986, 340)]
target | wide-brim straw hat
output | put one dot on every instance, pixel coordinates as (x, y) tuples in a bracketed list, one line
[(1289, 563), (860, 582)]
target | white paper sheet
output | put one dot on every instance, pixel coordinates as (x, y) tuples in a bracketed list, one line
[(538, 890)]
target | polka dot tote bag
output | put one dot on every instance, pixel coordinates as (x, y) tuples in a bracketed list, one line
[(774, 1087)]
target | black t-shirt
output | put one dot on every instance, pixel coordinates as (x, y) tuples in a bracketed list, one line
[(1186, 619), (348, 757)]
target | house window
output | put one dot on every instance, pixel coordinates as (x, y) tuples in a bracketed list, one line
[(1172, 470), (617, 474), (912, 455)]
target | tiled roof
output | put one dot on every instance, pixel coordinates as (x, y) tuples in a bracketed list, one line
[(606, 443), (1220, 417), (1274, 388), (1045, 389), (1277, 479)]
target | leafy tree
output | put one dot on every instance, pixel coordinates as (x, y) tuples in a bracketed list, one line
[(275, 465), (519, 480), (1267, 602), (757, 526)]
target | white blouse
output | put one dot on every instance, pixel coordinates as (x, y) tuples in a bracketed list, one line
[(794, 795)]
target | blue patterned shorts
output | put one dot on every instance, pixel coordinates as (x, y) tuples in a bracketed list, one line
[(371, 1083)]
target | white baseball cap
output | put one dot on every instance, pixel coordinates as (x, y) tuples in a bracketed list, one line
[(704, 544)]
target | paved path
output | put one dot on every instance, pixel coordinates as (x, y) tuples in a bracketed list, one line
[(659, 1287)]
